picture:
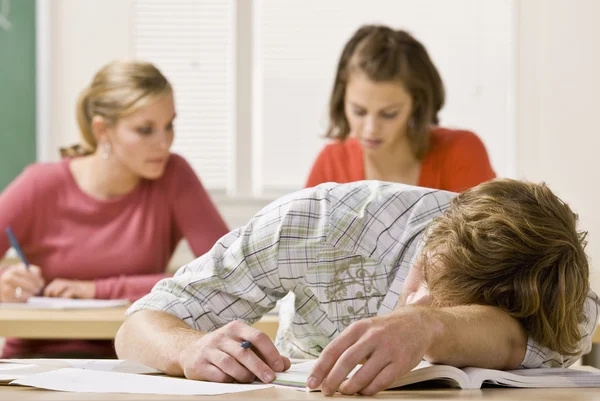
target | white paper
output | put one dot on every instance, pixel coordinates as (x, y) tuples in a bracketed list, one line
[(6, 378), (109, 365), (67, 303), (64, 303), (13, 371), (11, 366), (90, 381)]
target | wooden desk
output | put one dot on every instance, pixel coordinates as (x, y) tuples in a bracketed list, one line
[(29, 394), (97, 324)]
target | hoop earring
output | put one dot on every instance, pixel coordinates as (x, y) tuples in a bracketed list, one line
[(106, 151)]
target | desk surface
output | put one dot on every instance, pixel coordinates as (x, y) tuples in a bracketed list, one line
[(590, 394), (98, 324)]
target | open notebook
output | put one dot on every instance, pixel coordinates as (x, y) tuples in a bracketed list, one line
[(466, 378)]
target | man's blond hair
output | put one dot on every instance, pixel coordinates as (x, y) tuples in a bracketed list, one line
[(514, 245)]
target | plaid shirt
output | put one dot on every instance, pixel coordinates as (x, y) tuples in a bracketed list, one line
[(344, 251)]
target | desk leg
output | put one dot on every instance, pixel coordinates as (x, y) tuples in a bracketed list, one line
[(593, 358)]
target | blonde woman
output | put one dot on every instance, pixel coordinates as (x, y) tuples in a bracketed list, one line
[(104, 222)]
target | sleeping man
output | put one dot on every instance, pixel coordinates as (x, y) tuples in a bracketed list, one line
[(384, 275)]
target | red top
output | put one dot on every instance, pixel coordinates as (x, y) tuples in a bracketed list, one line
[(123, 244), (457, 160)]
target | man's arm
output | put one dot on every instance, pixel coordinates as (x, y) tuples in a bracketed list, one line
[(161, 333), (165, 342), (214, 297), (193, 324), (476, 335), (394, 344)]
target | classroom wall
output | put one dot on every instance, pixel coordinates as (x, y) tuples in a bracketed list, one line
[(85, 36), (557, 96)]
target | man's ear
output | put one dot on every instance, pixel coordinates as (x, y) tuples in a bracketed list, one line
[(420, 297), (100, 127), (413, 283)]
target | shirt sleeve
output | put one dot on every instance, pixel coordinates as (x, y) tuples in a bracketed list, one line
[(196, 217), (239, 278), (538, 356), (467, 163)]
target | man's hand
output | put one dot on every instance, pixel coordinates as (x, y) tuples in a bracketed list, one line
[(219, 357), (388, 346), (63, 288)]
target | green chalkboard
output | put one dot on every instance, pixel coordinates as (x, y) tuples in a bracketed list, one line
[(17, 87)]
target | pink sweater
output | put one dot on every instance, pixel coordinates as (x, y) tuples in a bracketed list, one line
[(123, 244)]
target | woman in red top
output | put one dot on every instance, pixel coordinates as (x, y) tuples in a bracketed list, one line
[(383, 117), (104, 222)]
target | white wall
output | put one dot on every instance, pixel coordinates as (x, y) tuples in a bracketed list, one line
[(86, 34), (558, 84)]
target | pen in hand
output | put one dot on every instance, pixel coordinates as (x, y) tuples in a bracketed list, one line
[(15, 244), (21, 281)]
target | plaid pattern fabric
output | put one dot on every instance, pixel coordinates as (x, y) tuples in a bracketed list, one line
[(343, 250)]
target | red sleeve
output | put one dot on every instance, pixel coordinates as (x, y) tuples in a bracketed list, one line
[(321, 169), (196, 217), (127, 287), (17, 211), (468, 163)]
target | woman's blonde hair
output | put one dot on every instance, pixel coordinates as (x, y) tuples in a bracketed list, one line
[(118, 90), (384, 54), (514, 245)]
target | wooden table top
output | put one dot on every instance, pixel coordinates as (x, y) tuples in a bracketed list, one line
[(98, 324)]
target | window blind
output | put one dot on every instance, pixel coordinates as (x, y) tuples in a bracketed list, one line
[(192, 42)]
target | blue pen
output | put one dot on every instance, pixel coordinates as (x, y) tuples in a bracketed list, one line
[(15, 244)]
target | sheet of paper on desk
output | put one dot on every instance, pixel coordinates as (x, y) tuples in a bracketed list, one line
[(108, 365), (13, 371), (91, 381), (65, 303)]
